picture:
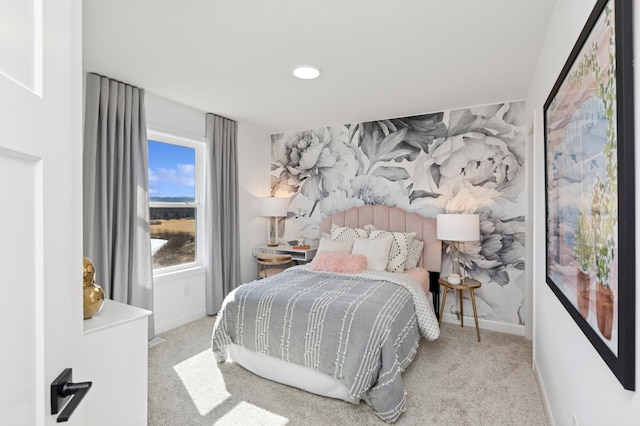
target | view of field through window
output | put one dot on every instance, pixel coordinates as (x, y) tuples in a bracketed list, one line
[(172, 208)]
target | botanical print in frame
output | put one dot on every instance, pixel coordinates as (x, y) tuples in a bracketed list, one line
[(589, 187)]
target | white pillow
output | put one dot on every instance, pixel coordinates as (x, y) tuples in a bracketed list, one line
[(376, 251), (347, 233), (399, 247), (415, 251), (338, 246)]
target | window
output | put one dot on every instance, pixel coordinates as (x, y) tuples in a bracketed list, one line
[(176, 176)]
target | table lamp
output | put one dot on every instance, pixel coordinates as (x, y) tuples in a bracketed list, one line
[(273, 208), (458, 228)]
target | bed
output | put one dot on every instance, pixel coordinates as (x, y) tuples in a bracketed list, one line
[(340, 334)]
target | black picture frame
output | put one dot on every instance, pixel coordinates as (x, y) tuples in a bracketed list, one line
[(589, 186)]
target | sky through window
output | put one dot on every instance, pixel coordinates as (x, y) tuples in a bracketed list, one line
[(171, 171)]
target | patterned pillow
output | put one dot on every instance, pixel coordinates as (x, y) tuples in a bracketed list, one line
[(369, 228), (347, 233), (399, 247), (413, 256)]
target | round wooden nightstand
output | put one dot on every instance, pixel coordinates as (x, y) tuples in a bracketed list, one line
[(272, 264), (466, 284)]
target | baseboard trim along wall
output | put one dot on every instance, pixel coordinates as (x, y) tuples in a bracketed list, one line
[(182, 320), (543, 394), (502, 327)]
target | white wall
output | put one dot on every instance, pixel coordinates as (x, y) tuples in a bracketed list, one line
[(174, 118), (254, 164), (180, 298), (574, 378), (177, 298)]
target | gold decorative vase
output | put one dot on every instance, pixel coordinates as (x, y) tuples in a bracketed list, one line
[(93, 296)]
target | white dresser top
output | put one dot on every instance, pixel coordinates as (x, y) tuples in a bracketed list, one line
[(113, 314)]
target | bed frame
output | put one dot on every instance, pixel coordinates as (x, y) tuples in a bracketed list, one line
[(398, 220)]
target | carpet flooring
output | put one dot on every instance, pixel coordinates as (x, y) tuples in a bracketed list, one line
[(453, 381)]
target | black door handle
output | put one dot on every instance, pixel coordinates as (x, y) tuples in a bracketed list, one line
[(61, 389)]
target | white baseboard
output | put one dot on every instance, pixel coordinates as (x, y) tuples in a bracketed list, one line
[(543, 393), (502, 327), (177, 322)]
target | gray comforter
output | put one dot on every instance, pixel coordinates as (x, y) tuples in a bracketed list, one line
[(362, 329)]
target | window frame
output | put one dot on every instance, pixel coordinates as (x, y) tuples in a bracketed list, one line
[(199, 145)]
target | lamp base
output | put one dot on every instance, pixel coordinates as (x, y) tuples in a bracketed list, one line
[(272, 244), (458, 269)]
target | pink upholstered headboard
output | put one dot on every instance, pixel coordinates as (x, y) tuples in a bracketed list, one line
[(397, 220)]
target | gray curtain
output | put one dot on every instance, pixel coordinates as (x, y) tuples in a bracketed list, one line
[(115, 191), (222, 242)]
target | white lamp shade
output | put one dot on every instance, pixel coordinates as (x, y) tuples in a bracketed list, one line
[(458, 227), (272, 206)]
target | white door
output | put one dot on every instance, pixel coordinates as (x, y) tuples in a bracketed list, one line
[(40, 205)]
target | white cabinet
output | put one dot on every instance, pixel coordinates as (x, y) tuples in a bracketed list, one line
[(116, 362), (300, 255)]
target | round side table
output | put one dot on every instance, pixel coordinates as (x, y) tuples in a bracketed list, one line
[(466, 284), (271, 264)]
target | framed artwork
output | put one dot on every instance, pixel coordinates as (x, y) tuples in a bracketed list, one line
[(589, 171)]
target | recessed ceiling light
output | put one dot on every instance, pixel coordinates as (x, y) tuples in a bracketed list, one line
[(306, 72)]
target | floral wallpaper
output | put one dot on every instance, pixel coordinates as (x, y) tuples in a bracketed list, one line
[(468, 161)]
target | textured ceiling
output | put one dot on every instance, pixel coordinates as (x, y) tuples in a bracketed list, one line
[(378, 58)]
